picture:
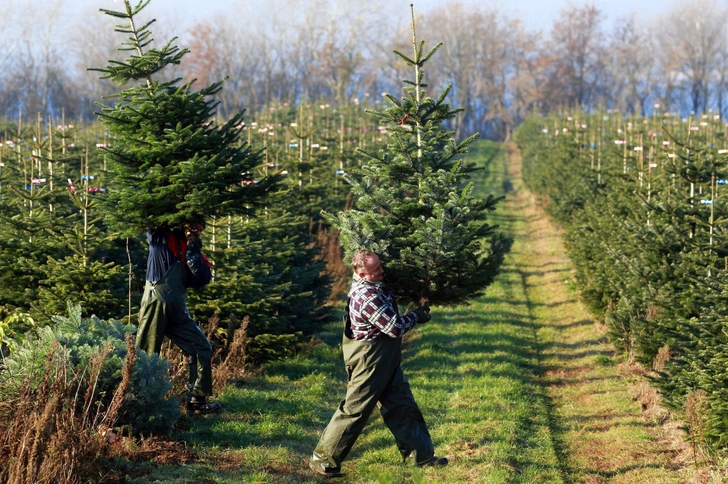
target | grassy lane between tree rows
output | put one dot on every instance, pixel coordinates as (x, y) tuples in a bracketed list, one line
[(518, 387), (606, 419)]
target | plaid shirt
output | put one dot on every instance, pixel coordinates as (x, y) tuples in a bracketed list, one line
[(373, 312)]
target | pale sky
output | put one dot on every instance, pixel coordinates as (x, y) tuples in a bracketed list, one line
[(535, 14)]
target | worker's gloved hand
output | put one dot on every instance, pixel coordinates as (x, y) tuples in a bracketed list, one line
[(423, 314), (194, 247)]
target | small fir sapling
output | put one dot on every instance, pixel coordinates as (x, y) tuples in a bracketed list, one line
[(146, 408)]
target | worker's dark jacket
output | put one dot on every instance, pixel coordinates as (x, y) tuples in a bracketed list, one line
[(173, 266), (169, 246)]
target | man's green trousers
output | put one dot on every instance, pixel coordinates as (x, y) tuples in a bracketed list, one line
[(163, 313), (375, 377)]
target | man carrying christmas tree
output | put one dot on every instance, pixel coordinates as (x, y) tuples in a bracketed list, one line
[(372, 354), (175, 263)]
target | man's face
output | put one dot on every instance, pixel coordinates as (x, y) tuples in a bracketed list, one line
[(373, 270)]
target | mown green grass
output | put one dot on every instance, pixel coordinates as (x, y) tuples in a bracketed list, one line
[(471, 370), (601, 433)]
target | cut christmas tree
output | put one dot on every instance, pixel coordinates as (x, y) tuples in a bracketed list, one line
[(414, 205), (172, 163)]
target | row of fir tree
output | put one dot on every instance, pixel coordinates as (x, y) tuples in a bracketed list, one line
[(644, 205), (269, 265)]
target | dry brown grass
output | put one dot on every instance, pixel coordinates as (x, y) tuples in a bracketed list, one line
[(179, 367), (333, 254), (233, 368), (229, 361), (53, 436), (669, 432), (126, 374), (696, 409), (661, 359)]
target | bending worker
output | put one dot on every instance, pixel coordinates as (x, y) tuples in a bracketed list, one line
[(372, 349)]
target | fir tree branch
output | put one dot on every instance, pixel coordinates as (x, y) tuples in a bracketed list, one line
[(409, 61)]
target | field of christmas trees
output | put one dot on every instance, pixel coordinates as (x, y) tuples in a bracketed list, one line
[(518, 386), (517, 381), (271, 281), (56, 244), (76, 201)]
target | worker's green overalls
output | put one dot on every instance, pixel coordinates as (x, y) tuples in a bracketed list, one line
[(163, 313), (374, 377)]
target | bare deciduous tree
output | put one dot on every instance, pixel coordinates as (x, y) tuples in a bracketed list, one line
[(577, 43), (632, 69), (478, 59), (692, 39), (35, 64), (92, 47)]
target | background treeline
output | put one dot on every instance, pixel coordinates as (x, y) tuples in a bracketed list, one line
[(340, 51), (643, 202)]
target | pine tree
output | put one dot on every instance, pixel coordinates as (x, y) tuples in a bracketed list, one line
[(414, 207), (285, 291), (172, 164), (29, 226)]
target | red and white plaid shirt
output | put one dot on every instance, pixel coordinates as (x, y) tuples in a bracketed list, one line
[(373, 312)]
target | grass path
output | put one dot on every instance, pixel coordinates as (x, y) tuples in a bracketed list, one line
[(518, 387), (601, 430)]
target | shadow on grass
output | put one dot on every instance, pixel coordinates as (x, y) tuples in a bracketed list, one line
[(487, 319), (557, 381), (576, 324), (574, 356), (604, 423), (504, 353), (532, 271), (280, 410), (496, 300), (632, 467)]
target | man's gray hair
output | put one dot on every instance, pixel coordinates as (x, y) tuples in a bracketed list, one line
[(359, 261)]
